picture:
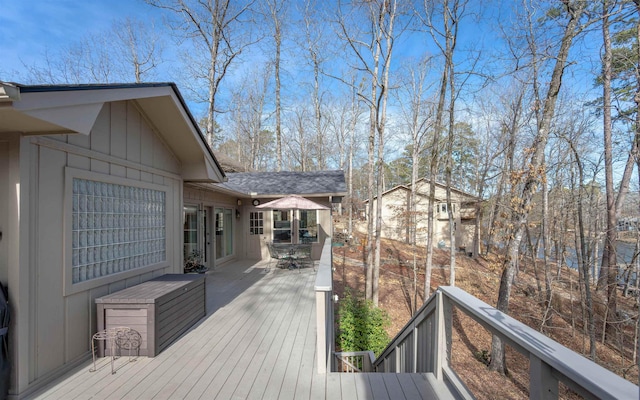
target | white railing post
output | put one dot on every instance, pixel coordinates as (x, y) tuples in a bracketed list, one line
[(324, 309), (321, 339), (441, 340), (414, 356), (438, 340)]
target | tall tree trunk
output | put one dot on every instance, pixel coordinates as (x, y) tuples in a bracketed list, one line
[(512, 128), (532, 177), (352, 135), (609, 268), (433, 168), (435, 155), (371, 184), (386, 35), (583, 259), (545, 248), (451, 37)]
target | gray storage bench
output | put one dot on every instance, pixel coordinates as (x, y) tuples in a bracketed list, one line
[(161, 309)]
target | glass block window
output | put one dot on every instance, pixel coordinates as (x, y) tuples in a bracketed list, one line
[(256, 223), (115, 228)]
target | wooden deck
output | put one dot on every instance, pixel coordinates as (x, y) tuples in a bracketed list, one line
[(257, 342)]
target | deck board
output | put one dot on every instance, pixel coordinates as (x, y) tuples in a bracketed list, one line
[(378, 387), (258, 341)]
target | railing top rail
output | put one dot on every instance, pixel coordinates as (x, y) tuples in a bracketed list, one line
[(323, 277), (594, 378)]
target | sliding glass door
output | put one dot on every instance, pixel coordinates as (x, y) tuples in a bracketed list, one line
[(190, 231), (223, 232)]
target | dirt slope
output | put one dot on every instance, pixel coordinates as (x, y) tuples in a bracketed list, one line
[(471, 343)]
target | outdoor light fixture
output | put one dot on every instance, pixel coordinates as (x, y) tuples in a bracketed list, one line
[(237, 213)]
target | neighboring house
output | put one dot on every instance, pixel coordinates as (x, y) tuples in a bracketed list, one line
[(396, 218), (103, 187)]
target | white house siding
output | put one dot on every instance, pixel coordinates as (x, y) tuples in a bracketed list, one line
[(395, 219), (122, 147), (394, 215)]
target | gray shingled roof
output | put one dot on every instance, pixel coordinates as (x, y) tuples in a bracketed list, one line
[(284, 183)]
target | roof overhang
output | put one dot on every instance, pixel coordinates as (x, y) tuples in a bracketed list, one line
[(254, 195), (73, 109)]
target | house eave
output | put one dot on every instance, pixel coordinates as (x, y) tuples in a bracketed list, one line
[(74, 109)]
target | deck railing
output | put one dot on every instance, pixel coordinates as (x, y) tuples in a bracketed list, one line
[(324, 309), (424, 345), (354, 361)]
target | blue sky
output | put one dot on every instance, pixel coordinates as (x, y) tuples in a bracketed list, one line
[(29, 27)]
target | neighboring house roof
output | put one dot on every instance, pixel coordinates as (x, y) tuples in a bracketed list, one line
[(73, 109), (274, 184), (407, 188), (229, 164)]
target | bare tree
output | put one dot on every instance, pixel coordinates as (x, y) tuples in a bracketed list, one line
[(129, 51), (86, 61), (447, 51), (277, 14), (416, 111), (299, 139), (216, 29), (373, 51), (251, 142), (492, 145), (142, 46), (572, 136), (608, 271), (315, 42), (521, 206)]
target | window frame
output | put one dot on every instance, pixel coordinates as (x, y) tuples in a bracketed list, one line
[(290, 217), (299, 227), (226, 247), (256, 223), (69, 287)]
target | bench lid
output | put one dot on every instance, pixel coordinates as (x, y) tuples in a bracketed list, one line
[(153, 290)]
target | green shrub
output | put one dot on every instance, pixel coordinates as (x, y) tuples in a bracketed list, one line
[(361, 326)]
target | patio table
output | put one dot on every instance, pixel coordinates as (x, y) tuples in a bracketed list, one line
[(293, 253)]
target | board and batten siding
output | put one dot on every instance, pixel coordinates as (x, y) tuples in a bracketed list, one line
[(122, 148)]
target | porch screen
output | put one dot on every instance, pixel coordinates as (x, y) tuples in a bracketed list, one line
[(115, 228)]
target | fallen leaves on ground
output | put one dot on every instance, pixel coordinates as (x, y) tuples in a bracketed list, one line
[(401, 288)]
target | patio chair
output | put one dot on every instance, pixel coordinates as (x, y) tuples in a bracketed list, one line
[(278, 254), (302, 255)]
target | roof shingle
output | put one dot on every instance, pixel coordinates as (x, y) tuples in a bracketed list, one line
[(287, 182)]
